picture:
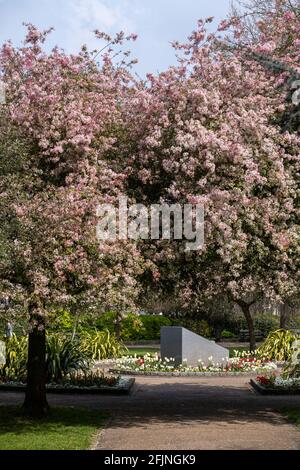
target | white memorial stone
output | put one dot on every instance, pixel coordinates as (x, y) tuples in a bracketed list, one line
[(185, 346)]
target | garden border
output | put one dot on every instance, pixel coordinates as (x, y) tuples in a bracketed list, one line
[(271, 391), (119, 389), (183, 374)]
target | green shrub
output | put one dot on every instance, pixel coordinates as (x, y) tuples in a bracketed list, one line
[(105, 321), (151, 327), (99, 345), (294, 322), (199, 326), (16, 357), (20, 327), (266, 323), (132, 327), (227, 334), (63, 356), (204, 329), (61, 321), (292, 368), (278, 345)]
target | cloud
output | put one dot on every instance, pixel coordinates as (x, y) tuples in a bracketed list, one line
[(97, 13), (84, 16), (88, 15)]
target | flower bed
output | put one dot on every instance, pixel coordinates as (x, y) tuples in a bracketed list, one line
[(153, 365), (77, 383), (276, 385)]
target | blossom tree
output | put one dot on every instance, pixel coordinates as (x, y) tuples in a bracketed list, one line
[(208, 131), (272, 27), (60, 122)]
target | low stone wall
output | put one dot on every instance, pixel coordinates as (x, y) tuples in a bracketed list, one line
[(182, 374)]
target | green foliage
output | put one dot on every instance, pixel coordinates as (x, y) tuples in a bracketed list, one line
[(204, 329), (212, 324), (278, 345), (135, 327), (132, 327), (16, 357), (152, 325), (63, 356), (106, 321), (147, 327), (227, 334), (20, 325), (234, 322), (295, 322), (198, 326), (292, 368), (61, 321), (99, 345), (266, 323)]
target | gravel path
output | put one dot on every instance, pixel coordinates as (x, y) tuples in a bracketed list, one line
[(188, 413)]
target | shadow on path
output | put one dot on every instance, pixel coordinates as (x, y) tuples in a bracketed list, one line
[(188, 413)]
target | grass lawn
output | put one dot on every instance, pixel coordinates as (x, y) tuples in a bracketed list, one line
[(140, 351), (64, 429), (293, 414), (143, 351)]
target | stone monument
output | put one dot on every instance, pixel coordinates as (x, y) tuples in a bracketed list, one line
[(181, 344)]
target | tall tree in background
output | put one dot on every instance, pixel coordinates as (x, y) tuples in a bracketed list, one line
[(251, 12), (276, 21)]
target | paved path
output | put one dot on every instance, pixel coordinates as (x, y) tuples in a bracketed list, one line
[(189, 413)]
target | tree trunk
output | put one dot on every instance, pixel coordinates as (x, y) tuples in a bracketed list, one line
[(283, 316), (245, 307), (75, 326), (118, 326), (35, 404)]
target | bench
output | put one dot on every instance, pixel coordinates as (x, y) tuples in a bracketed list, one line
[(244, 335)]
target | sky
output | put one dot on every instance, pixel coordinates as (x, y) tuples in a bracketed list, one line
[(157, 23)]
